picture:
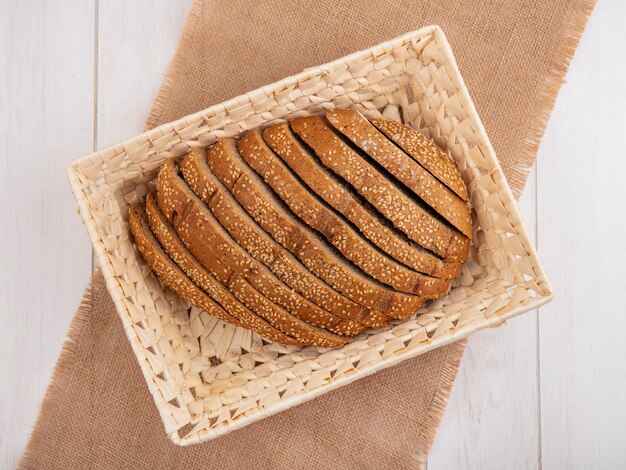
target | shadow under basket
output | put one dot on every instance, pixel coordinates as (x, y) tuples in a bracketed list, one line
[(208, 377)]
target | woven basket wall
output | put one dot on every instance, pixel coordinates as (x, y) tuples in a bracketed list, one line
[(208, 378)]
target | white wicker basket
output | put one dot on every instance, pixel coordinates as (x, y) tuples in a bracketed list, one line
[(208, 378)]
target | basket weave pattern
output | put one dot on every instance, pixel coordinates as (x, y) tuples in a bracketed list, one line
[(208, 377)]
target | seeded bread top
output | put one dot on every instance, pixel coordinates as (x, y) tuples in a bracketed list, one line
[(426, 153), (407, 171)]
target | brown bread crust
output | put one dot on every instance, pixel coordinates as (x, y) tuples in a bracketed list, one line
[(246, 232), (223, 258), (337, 194), (409, 172), (426, 153), (319, 259), (174, 278), (237, 286), (308, 209), (402, 211)]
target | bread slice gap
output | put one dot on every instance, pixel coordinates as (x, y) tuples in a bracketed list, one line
[(306, 215), (390, 180), (415, 220), (343, 199), (246, 233), (256, 220), (213, 247), (407, 172), (425, 152), (239, 257), (174, 278), (276, 315), (320, 259), (237, 287), (358, 252)]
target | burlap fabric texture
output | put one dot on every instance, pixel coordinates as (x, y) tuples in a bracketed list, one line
[(98, 412)]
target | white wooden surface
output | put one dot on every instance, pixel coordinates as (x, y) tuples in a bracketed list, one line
[(549, 390), (545, 391), (46, 117)]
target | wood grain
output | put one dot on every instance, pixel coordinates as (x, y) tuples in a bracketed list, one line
[(492, 417), (136, 43), (46, 121), (73, 77), (582, 228)]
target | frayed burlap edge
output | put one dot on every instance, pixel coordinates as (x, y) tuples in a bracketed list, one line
[(438, 404), (60, 375), (175, 68), (523, 163), (517, 180), (517, 170)]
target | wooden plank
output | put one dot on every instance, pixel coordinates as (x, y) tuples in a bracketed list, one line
[(492, 415), (137, 41), (46, 120), (582, 222)]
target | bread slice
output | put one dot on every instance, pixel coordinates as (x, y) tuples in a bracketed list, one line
[(426, 153), (338, 195), (312, 211), (353, 125), (318, 258), (261, 245), (174, 278), (223, 258), (238, 286), (258, 244), (175, 196), (406, 214)]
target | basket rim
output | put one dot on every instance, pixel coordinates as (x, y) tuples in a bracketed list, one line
[(271, 88), (75, 176)]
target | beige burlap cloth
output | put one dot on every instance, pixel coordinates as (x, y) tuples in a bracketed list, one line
[(98, 412)]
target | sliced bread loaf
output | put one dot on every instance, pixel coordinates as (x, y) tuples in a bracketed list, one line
[(353, 125), (257, 243), (426, 153), (191, 230), (174, 278), (214, 248), (416, 221), (304, 206), (338, 195), (318, 258), (237, 285)]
